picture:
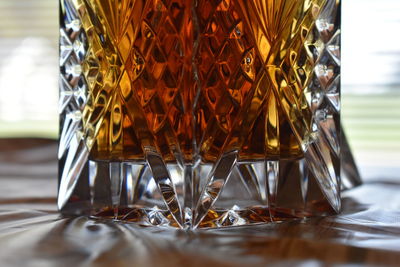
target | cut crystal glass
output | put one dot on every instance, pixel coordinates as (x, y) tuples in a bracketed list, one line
[(199, 114)]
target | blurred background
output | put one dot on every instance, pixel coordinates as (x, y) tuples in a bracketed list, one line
[(370, 77)]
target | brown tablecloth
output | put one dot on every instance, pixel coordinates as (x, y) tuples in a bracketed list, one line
[(33, 233)]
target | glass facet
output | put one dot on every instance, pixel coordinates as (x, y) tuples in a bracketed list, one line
[(198, 114)]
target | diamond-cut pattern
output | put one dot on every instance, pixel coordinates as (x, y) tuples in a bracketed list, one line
[(200, 114)]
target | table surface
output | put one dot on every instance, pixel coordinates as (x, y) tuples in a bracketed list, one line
[(33, 233)]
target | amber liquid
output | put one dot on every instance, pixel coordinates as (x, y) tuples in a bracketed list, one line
[(194, 81)]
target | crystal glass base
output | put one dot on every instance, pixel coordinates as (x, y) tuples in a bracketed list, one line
[(254, 192)]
